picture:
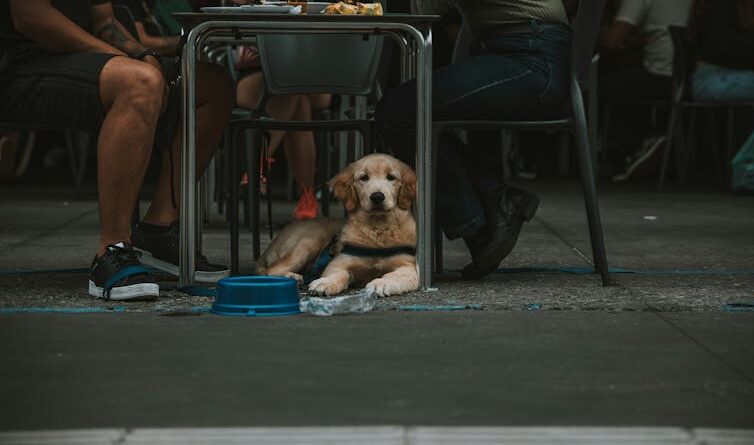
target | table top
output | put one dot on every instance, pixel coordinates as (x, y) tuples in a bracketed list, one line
[(191, 19)]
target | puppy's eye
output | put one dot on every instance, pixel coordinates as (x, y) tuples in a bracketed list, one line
[(390, 177), (364, 178)]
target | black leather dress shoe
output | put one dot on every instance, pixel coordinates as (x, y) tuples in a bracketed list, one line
[(506, 212)]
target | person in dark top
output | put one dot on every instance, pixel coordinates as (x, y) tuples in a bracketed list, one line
[(70, 63), (518, 70), (725, 52)]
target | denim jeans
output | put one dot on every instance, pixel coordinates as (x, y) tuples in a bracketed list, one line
[(717, 83), (522, 75)]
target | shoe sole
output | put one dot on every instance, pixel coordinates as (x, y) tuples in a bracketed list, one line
[(133, 292), (622, 177), (526, 210), (200, 276)]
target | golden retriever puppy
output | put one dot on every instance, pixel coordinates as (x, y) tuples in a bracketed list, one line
[(297, 247), (374, 247)]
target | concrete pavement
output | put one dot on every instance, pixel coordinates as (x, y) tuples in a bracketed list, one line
[(542, 343)]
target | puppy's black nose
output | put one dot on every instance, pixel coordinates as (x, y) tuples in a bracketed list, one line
[(377, 197)]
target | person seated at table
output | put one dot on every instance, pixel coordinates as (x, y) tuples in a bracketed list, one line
[(144, 21), (644, 24), (300, 150), (518, 70), (73, 64), (725, 53)]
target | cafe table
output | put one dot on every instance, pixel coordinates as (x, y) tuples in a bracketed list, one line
[(413, 35)]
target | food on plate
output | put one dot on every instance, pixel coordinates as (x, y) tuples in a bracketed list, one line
[(345, 8)]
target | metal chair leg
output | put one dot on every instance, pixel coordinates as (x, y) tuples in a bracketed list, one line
[(436, 230), (221, 174), (590, 190), (232, 160), (322, 171), (714, 135), (683, 150), (675, 112), (252, 164)]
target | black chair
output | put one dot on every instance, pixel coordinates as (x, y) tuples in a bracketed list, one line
[(585, 27), (126, 18), (77, 144), (682, 141)]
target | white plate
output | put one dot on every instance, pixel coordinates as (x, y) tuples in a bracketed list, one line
[(254, 9), (311, 7), (317, 7)]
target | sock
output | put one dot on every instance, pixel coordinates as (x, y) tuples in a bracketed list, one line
[(153, 228)]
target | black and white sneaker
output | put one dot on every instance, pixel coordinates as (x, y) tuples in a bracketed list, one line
[(118, 275), (157, 247)]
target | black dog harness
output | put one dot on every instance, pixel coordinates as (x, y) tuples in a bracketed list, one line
[(353, 250), (324, 257)]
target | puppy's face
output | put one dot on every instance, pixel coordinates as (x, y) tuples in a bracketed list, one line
[(375, 184)]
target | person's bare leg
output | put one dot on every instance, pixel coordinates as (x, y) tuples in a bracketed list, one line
[(215, 100), (282, 108), (132, 95), (248, 95), (249, 91), (299, 147), (320, 101)]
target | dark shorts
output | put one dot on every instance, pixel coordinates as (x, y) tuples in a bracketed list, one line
[(63, 90)]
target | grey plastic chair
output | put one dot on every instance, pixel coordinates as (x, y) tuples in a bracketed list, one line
[(294, 64), (585, 29)]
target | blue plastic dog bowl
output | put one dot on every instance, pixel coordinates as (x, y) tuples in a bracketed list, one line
[(256, 296)]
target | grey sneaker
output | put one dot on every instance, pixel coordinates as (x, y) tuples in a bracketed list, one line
[(157, 247)]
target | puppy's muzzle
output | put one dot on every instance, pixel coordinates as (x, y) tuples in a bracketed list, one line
[(378, 199)]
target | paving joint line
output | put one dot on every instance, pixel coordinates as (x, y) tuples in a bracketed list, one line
[(705, 348), (659, 313), (588, 260), (46, 232), (555, 233)]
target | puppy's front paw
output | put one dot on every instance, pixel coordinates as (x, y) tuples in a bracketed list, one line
[(325, 286), (382, 287), (299, 279)]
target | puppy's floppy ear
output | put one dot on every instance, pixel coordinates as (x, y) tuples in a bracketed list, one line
[(343, 189), (407, 193)]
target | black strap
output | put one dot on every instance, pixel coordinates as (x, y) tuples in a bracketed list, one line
[(350, 249)]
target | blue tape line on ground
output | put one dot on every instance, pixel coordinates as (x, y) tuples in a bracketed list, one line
[(41, 271), (193, 309), (739, 307), (618, 270), (60, 310), (198, 291), (439, 307)]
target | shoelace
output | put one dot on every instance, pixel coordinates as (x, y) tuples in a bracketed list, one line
[(123, 256)]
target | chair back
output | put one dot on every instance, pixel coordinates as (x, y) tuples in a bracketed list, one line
[(320, 63), (126, 18), (585, 27), (683, 60)]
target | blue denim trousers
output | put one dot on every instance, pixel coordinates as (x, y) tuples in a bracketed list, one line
[(521, 75), (717, 83)]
